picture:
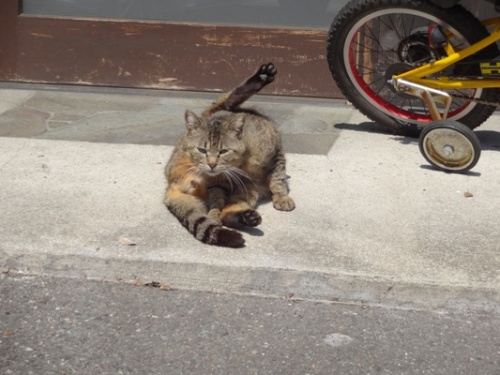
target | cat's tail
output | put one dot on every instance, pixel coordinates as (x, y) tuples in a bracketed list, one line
[(233, 99), (210, 231)]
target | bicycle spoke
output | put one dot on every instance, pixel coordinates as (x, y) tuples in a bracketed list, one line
[(371, 42), (402, 26), (392, 27)]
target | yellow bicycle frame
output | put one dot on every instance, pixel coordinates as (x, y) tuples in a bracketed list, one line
[(443, 83)]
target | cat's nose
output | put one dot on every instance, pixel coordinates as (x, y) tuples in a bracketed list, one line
[(212, 165)]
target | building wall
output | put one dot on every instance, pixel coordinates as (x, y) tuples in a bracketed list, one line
[(269, 13), (285, 13)]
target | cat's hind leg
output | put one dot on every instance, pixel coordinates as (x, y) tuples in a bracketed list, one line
[(263, 77), (240, 215), (191, 211), (232, 100), (240, 210)]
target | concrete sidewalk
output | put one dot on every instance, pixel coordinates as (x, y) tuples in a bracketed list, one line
[(374, 224)]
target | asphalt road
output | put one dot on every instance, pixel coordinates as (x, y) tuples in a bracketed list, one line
[(68, 327)]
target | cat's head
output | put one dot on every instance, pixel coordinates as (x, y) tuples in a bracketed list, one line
[(215, 144)]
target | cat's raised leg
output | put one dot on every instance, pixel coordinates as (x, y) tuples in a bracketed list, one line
[(232, 100), (278, 186), (263, 77)]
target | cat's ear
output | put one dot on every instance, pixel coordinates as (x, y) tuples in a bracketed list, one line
[(192, 121)]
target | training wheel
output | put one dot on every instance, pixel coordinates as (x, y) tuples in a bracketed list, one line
[(450, 146)]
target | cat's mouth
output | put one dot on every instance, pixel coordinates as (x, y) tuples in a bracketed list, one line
[(211, 171)]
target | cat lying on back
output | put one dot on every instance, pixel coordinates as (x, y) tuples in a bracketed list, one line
[(226, 162)]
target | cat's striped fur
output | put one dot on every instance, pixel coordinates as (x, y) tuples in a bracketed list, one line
[(228, 159)]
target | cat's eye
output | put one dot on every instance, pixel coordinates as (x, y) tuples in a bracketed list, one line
[(202, 150), (223, 151)]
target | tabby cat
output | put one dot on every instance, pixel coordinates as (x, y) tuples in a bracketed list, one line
[(227, 161)]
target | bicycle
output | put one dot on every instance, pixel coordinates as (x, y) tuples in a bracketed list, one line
[(420, 67)]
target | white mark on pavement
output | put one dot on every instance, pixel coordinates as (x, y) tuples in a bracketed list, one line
[(337, 340)]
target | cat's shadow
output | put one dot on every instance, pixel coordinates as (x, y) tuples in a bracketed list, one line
[(256, 232)]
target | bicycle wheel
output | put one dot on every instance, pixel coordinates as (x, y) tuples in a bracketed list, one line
[(372, 40), (450, 146)]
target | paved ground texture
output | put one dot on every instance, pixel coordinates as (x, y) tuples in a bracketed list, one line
[(64, 326), (81, 202), (373, 222)]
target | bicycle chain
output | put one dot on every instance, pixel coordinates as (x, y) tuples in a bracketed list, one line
[(479, 101)]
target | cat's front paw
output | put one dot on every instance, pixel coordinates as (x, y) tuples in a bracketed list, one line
[(267, 73), (250, 218), (283, 203)]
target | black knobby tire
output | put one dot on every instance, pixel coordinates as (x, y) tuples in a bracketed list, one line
[(380, 103), (450, 146)]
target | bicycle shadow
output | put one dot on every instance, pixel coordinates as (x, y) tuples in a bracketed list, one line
[(368, 126), (373, 127), (490, 139)]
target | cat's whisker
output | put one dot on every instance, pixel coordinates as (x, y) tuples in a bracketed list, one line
[(233, 177), (229, 179), (181, 167), (191, 172), (240, 172), (243, 174)]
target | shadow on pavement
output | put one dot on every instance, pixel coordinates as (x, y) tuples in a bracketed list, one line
[(431, 168), (371, 127), (490, 140)]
